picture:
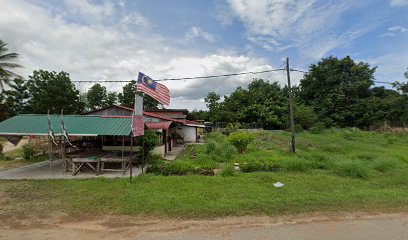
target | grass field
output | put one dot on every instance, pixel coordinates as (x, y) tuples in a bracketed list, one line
[(338, 171)]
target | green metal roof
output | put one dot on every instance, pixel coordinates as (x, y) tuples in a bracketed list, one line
[(79, 125)]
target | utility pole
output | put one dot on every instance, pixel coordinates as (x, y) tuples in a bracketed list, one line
[(292, 119)]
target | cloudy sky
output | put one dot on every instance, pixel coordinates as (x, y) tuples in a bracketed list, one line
[(113, 40)]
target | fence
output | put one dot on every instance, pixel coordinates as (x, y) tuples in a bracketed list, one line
[(388, 126)]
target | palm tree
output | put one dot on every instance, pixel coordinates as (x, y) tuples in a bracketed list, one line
[(5, 66)]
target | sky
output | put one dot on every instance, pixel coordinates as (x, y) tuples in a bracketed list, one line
[(113, 40)]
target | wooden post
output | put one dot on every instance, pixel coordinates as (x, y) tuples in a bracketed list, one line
[(143, 155), (292, 119), (131, 157)]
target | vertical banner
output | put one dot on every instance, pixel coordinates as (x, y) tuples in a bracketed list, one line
[(138, 126), (137, 118)]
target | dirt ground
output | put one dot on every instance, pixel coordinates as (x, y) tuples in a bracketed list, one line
[(346, 226)]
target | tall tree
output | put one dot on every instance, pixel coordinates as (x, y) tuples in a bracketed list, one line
[(5, 66), (335, 88), (111, 99), (4, 108), (18, 96), (96, 97), (53, 91)]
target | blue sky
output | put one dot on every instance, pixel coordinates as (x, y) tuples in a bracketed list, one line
[(113, 40)]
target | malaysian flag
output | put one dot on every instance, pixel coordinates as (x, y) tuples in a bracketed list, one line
[(154, 89)]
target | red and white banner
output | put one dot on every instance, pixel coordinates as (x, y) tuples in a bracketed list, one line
[(137, 126)]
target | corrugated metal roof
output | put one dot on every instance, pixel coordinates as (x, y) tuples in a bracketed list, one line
[(80, 125)]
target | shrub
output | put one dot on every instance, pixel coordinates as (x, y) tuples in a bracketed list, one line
[(157, 166), (215, 136), (28, 152), (260, 165), (229, 171), (232, 127), (298, 128), (296, 165), (351, 169), (384, 165), (150, 140), (211, 147), (229, 151), (241, 140), (317, 128), (1, 150)]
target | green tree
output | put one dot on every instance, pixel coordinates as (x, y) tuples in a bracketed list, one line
[(18, 96), (335, 87), (96, 97), (198, 115), (305, 116), (5, 66), (111, 99), (53, 91), (212, 101), (4, 108)]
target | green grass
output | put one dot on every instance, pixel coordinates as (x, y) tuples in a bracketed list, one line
[(335, 171), (201, 196)]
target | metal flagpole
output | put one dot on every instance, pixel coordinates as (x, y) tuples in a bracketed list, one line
[(131, 138), (49, 139), (131, 156), (62, 141)]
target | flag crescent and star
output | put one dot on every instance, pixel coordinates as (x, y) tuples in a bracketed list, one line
[(155, 90)]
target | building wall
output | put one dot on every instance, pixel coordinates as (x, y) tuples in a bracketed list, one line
[(188, 133)]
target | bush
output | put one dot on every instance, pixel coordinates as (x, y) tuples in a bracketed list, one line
[(150, 140), (317, 128), (267, 165), (215, 136), (298, 128), (229, 171), (229, 151), (351, 169), (28, 152), (232, 127), (384, 165), (296, 165), (180, 167), (1, 150), (241, 140), (211, 147)]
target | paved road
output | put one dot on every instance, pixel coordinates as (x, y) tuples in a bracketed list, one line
[(388, 227)]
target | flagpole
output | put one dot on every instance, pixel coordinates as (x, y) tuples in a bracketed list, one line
[(131, 141), (62, 141), (143, 144), (49, 139)]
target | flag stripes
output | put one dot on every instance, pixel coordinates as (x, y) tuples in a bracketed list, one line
[(159, 92)]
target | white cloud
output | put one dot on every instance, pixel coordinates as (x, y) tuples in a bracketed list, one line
[(398, 3), (89, 10), (196, 32), (112, 51), (222, 13), (393, 31), (307, 25)]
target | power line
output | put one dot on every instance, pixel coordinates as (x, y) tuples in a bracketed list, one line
[(188, 78)]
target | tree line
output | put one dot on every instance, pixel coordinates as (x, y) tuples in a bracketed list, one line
[(334, 92)]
